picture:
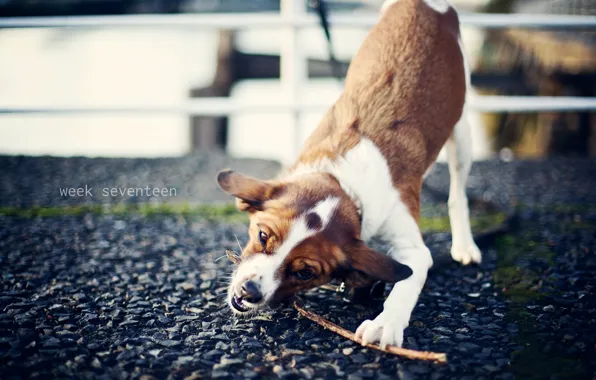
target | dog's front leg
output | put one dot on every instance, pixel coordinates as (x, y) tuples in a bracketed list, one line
[(388, 327)]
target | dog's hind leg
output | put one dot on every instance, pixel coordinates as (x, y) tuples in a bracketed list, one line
[(459, 157)]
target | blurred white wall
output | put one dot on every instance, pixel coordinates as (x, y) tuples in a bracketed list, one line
[(103, 67)]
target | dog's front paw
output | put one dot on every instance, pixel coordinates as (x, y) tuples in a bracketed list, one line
[(385, 329), (466, 254)]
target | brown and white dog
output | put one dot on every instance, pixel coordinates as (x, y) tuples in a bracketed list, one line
[(360, 174)]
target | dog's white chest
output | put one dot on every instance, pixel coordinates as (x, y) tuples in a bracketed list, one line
[(365, 173)]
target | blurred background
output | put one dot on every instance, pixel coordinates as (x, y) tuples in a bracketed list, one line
[(133, 88), (169, 92)]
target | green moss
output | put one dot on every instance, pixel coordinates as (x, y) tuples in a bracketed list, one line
[(521, 284), (479, 223), (51, 211), (487, 221), (560, 208), (436, 224), (532, 363), (518, 284), (520, 278), (213, 212), (579, 225)]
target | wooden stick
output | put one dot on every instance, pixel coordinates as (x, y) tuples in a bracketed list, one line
[(410, 354), (233, 256), (328, 287)]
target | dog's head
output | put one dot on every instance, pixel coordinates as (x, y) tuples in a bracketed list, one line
[(303, 233)]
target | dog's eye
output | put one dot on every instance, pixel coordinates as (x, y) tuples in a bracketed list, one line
[(304, 274), (263, 238)]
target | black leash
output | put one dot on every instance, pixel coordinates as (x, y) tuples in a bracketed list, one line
[(323, 12)]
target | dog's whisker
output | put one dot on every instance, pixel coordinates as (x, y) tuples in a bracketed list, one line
[(238, 241)]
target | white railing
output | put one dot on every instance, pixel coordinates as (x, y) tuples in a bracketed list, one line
[(293, 69), (283, 19), (293, 72), (224, 107)]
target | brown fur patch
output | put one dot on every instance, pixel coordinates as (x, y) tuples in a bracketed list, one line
[(389, 78), (396, 123)]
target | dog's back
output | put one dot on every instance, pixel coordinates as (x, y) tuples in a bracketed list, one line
[(405, 89)]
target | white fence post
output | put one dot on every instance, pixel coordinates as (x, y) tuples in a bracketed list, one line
[(293, 70)]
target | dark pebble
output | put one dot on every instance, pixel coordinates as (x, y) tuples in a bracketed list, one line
[(169, 343)]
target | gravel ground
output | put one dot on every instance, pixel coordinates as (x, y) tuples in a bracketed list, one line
[(106, 296)]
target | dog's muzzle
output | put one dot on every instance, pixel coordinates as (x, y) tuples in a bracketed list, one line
[(250, 296)]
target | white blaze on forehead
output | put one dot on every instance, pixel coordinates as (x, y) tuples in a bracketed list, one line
[(262, 268)]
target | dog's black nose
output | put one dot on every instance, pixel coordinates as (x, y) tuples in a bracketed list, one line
[(251, 292)]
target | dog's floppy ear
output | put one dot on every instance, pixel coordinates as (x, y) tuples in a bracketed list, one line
[(250, 192), (368, 266)]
